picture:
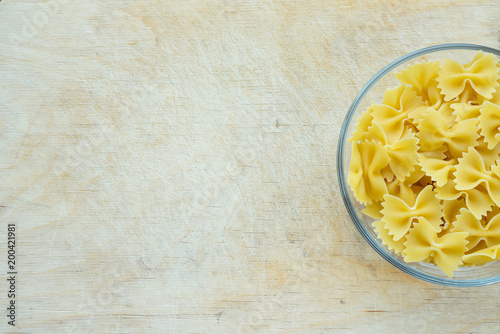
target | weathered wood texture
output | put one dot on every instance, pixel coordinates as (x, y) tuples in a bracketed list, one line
[(170, 166)]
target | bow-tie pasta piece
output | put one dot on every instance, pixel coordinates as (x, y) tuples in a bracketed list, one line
[(422, 77), (448, 113), (489, 123), (402, 98), (392, 115), (489, 156), (383, 233), (451, 210), (463, 111), (495, 98), (482, 74), (399, 215), (403, 157), (423, 242), (373, 210), (469, 95), (402, 153), (438, 169), (418, 114), (489, 232), (477, 199), (364, 122), (367, 160), (492, 213), (434, 133), (471, 172), (407, 191), (483, 256), (390, 120)]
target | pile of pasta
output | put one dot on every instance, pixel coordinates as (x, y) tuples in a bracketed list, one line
[(426, 163)]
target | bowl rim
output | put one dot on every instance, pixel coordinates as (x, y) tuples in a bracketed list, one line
[(343, 184)]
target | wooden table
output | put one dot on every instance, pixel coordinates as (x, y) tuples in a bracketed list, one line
[(170, 166)]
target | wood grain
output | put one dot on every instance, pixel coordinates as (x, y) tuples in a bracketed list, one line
[(170, 166)]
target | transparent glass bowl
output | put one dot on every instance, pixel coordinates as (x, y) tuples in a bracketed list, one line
[(373, 91)]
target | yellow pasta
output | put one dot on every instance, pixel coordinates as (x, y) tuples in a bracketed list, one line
[(489, 123), (471, 172), (482, 74), (422, 78), (364, 122), (383, 233), (402, 153), (451, 209), (477, 199), (422, 242), (373, 210), (426, 163), (402, 190), (489, 156), (478, 230), (483, 256), (495, 98), (368, 158), (402, 98), (463, 111), (399, 215), (438, 169), (434, 133)]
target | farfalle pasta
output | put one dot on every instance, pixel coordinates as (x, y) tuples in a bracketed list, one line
[(481, 74), (402, 153), (368, 158), (433, 133), (398, 215), (487, 230), (426, 163), (423, 242), (471, 173), (489, 123)]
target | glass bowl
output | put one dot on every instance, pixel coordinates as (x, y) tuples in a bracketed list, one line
[(373, 92)]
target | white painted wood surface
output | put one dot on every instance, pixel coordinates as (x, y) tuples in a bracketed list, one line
[(170, 166)]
